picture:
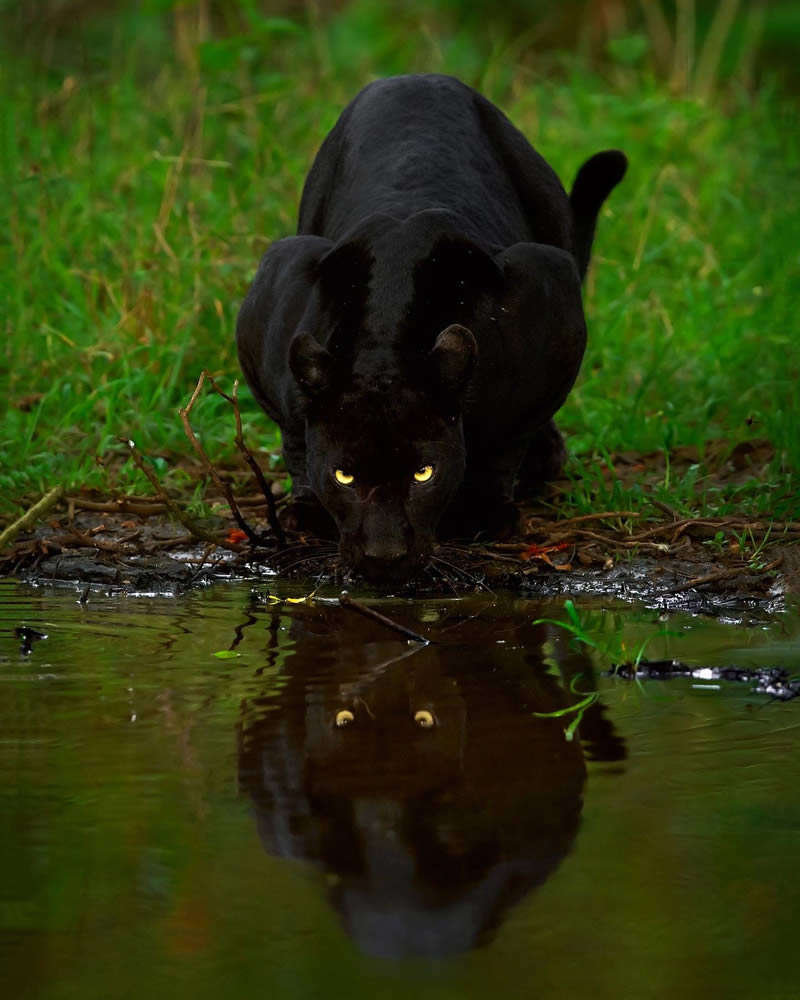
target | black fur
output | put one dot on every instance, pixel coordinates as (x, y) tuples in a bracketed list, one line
[(428, 313)]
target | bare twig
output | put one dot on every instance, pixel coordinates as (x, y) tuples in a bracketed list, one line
[(253, 537), (600, 516), (272, 514), (676, 526), (602, 539), (347, 602), (224, 486), (173, 507), (31, 516), (622, 543)]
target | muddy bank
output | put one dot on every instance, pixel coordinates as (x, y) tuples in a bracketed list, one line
[(131, 546)]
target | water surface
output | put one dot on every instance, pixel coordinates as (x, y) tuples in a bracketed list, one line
[(178, 824)]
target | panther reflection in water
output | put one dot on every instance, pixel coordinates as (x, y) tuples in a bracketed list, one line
[(421, 783)]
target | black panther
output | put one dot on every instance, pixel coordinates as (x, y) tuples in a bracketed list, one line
[(415, 338)]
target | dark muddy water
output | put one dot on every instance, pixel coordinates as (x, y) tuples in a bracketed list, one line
[(179, 824)]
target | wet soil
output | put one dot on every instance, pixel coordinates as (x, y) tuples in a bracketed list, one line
[(131, 545)]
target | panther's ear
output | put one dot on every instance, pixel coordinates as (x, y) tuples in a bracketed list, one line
[(311, 364), (453, 357)]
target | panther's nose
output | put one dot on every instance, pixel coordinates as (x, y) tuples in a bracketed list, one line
[(384, 535), (388, 551)]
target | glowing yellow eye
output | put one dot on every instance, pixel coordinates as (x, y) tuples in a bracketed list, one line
[(423, 474), (344, 717), (342, 478), (424, 719)]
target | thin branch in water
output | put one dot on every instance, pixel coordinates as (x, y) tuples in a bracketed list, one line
[(347, 601)]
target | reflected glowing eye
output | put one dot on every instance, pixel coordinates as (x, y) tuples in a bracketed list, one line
[(424, 719), (344, 717), (423, 474), (343, 478)]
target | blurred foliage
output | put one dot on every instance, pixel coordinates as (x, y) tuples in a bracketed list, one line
[(695, 44), (151, 151)]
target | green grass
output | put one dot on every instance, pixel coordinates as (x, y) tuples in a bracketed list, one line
[(143, 180)]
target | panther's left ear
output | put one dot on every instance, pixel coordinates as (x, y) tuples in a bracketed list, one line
[(453, 357)]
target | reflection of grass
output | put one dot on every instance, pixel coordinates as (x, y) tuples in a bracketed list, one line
[(145, 179), (578, 708), (610, 647)]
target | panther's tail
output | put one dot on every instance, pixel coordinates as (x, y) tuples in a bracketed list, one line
[(593, 183)]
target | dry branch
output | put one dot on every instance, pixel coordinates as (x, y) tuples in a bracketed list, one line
[(174, 508), (723, 574), (253, 537), (224, 485)]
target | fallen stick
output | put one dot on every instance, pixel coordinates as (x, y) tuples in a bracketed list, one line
[(347, 601), (81, 540), (31, 516), (122, 505), (723, 574)]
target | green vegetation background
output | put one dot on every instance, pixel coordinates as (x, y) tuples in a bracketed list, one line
[(151, 151)]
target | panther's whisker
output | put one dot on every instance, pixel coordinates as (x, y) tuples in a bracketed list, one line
[(314, 552), (307, 545), (444, 576), (468, 576), (299, 562)]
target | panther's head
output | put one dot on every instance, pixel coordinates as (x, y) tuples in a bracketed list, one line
[(385, 452)]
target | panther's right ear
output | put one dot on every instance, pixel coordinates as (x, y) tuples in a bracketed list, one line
[(311, 365), (453, 358)]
